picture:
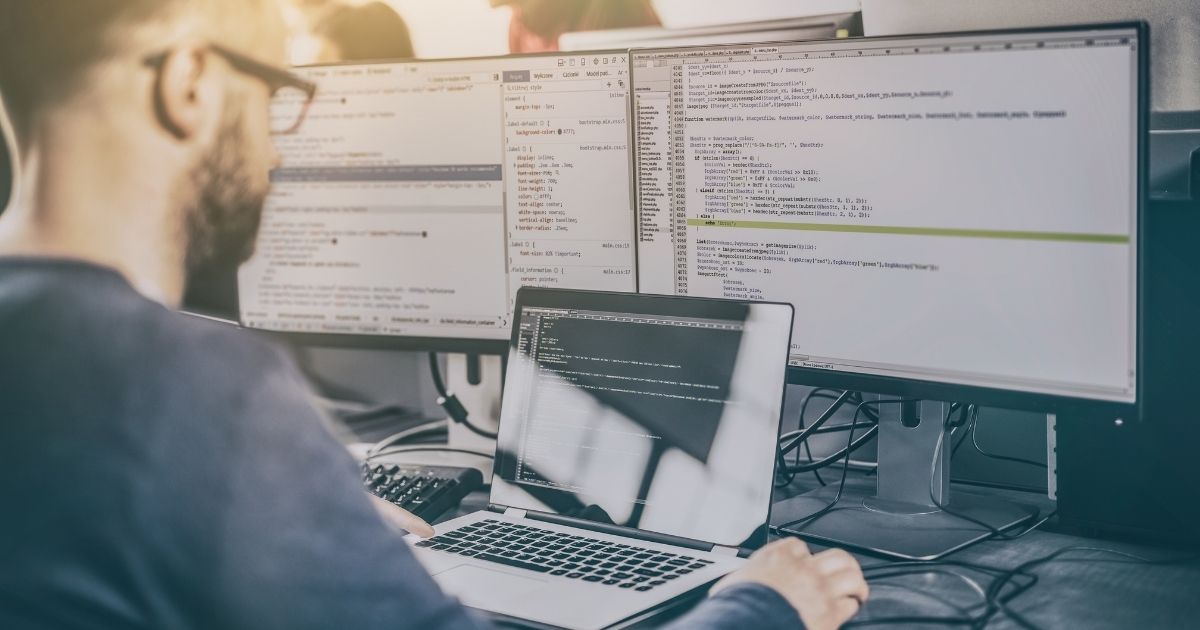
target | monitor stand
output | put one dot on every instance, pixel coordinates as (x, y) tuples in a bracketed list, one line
[(899, 519)]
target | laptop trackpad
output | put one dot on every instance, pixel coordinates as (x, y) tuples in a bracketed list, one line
[(486, 588)]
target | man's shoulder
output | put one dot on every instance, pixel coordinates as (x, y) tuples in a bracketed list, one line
[(57, 314)]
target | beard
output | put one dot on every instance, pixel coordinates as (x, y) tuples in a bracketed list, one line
[(221, 219)]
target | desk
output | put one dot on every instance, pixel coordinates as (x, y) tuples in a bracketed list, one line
[(1078, 592)]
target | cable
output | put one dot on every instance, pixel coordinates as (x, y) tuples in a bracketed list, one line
[(784, 474), (397, 450), (836, 428), (863, 408), (996, 600), (832, 459), (400, 436), (998, 603), (880, 585), (448, 401), (920, 567), (947, 427), (972, 584), (816, 393), (1008, 458), (845, 468), (963, 439), (937, 454), (797, 437), (841, 484), (372, 413), (910, 621), (827, 394), (949, 424)]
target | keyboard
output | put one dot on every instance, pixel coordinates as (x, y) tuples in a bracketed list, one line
[(566, 555), (427, 491)]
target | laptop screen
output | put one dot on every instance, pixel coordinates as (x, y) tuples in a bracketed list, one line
[(655, 413)]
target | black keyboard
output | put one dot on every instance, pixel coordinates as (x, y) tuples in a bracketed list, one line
[(427, 491), (566, 555)]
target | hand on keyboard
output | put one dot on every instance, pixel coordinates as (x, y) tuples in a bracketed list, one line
[(402, 518), (427, 492), (826, 589)]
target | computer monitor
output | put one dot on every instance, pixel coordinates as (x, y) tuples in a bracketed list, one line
[(956, 217), (954, 214), (419, 196)]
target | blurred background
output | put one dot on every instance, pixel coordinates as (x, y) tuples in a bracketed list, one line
[(468, 28)]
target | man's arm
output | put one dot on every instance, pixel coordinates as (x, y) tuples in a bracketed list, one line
[(298, 544), (741, 607), (784, 586)]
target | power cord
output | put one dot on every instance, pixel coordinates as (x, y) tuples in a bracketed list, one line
[(448, 401), (949, 425), (967, 426), (815, 393), (397, 450), (996, 600), (1006, 458), (851, 445), (433, 426), (786, 473), (792, 440)]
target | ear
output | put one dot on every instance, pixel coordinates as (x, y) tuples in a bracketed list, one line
[(184, 96), (10, 159)]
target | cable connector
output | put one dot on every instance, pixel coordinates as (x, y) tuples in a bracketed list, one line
[(454, 407), (448, 401)]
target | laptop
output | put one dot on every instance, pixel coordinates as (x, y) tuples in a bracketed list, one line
[(635, 460)]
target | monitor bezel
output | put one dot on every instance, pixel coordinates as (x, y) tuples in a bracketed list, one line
[(991, 396), (420, 343)]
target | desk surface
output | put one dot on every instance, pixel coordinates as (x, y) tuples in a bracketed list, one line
[(1084, 589)]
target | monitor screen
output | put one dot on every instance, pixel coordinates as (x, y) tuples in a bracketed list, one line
[(958, 209), (649, 412), (418, 197)]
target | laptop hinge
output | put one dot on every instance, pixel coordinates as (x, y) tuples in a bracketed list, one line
[(722, 550), (515, 512), (616, 530)]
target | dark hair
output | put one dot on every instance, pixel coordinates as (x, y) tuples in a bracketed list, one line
[(370, 31), (47, 46), (551, 18)]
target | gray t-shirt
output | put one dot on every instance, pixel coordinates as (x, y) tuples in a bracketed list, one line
[(158, 471)]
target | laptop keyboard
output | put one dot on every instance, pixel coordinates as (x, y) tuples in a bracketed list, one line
[(565, 555)]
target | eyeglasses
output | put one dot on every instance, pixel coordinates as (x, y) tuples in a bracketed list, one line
[(291, 95)]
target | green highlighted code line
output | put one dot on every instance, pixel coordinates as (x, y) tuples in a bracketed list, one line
[(1067, 237)]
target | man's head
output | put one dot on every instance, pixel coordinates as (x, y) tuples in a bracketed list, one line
[(176, 86)]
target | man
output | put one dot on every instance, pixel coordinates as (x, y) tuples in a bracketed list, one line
[(356, 32), (536, 25), (159, 472)]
